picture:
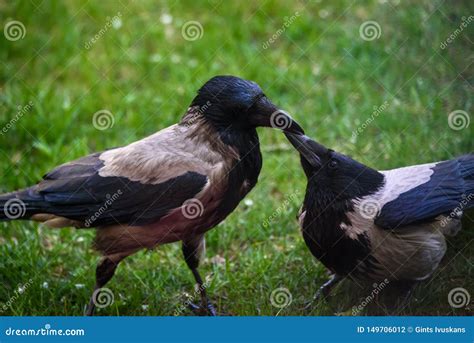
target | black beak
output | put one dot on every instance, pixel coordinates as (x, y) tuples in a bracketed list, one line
[(312, 151), (266, 114)]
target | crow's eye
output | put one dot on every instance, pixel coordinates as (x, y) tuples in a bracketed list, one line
[(333, 164)]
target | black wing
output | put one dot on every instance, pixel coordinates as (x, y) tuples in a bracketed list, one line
[(76, 191), (450, 186)]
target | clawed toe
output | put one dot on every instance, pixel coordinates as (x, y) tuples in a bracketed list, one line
[(323, 292), (88, 310), (200, 310), (320, 295)]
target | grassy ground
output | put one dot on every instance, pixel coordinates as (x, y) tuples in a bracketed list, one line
[(143, 71)]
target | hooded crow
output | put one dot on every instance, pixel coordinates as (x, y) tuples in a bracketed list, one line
[(171, 186), (380, 225)]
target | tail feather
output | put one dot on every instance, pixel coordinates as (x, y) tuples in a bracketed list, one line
[(21, 204), (466, 167)]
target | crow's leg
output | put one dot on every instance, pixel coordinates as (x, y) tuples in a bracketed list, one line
[(325, 289), (103, 273), (193, 249)]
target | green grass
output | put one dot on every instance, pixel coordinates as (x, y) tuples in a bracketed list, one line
[(145, 73)]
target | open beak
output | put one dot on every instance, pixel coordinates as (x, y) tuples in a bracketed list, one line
[(268, 115), (312, 151)]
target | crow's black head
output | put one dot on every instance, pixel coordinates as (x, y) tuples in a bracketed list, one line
[(334, 174), (231, 102)]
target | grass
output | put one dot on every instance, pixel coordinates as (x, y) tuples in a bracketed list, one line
[(144, 72)]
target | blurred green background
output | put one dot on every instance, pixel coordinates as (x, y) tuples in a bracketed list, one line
[(145, 71)]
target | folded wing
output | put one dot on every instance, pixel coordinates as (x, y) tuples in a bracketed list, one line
[(445, 187), (77, 191)]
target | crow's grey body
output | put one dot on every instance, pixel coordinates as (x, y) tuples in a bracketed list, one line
[(408, 244), (411, 247), (155, 176)]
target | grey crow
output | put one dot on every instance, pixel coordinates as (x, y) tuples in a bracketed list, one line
[(380, 225), (171, 186)]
